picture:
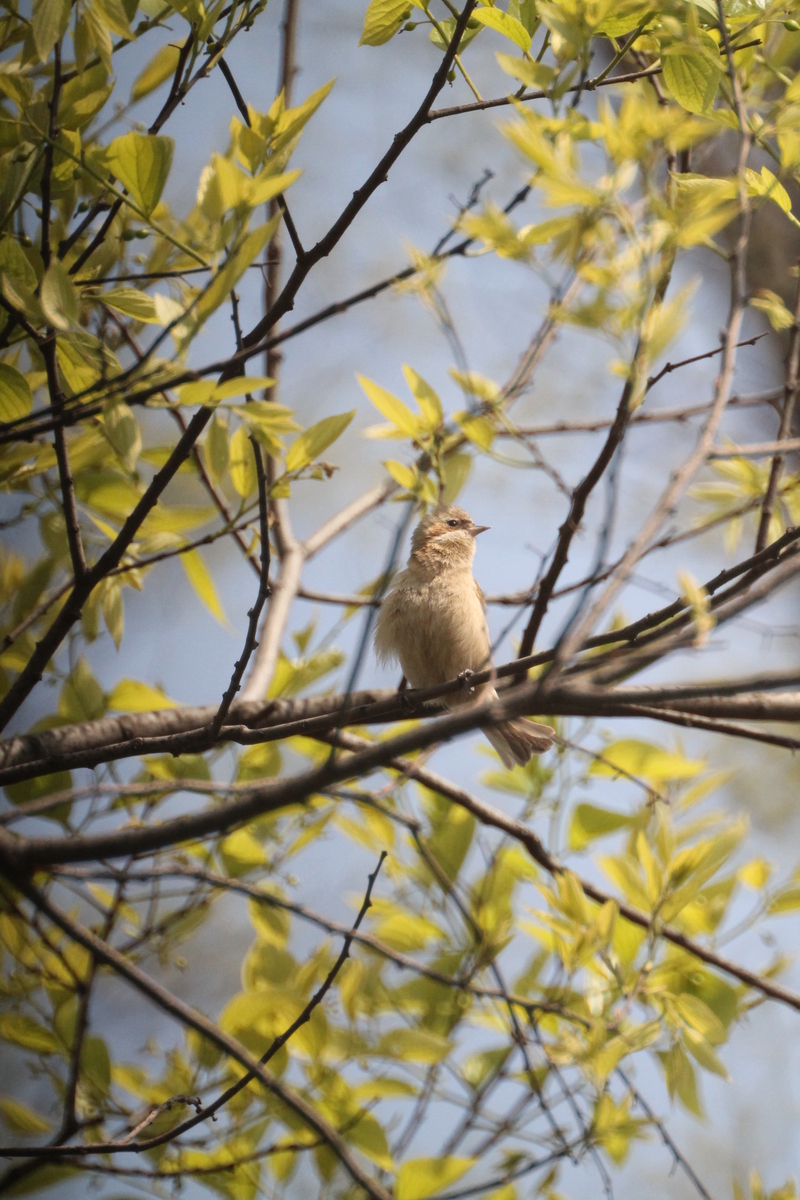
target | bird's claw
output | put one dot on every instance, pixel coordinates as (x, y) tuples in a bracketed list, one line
[(465, 680)]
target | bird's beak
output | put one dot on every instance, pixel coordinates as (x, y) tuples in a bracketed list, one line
[(476, 529)]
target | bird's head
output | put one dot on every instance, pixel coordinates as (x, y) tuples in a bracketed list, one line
[(446, 537)]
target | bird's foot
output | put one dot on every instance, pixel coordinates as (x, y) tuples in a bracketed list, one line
[(465, 680), (406, 703)]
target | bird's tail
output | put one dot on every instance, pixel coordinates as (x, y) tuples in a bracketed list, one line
[(518, 741)]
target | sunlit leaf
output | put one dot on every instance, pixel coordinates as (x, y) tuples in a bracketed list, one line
[(141, 162), (310, 444), (200, 578), (422, 1177), (16, 399)]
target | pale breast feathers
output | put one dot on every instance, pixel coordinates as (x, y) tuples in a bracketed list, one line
[(435, 628)]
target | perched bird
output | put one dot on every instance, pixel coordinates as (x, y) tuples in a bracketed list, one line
[(433, 622)]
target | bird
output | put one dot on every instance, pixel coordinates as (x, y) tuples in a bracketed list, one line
[(433, 622)]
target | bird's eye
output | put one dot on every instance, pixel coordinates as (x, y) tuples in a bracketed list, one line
[(453, 524)]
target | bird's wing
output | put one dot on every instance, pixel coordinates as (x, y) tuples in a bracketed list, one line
[(480, 595)]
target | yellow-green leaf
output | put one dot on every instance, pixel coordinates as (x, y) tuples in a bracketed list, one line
[(122, 430), (129, 695), (429, 403), (242, 463), (382, 21), (21, 1119), (691, 77), (28, 1034), (141, 162), (532, 74), (502, 22), (58, 297), (215, 448), (162, 66), (50, 20), (228, 276), (423, 1177), (391, 407), (773, 309), (646, 761), (200, 578), (590, 822), (313, 441), (16, 398), (207, 391), (241, 852), (132, 303)]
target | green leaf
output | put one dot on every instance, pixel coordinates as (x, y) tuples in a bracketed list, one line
[(455, 472), (29, 1034), (773, 309), (112, 609), (96, 1063), (479, 430), (228, 276), (313, 441), (429, 403), (265, 186), (81, 697), (206, 391), (510, 27), (691, 77), (645, 761), (162, 66), (132, 303), (141, 163), (200, 578), (242, 463), (785, 901), (241, 853), (129, 695), (698, 1016), (382, 21), (391, 407), (766, 184), (21, 1119), (532, 74), (16, 398), (414, 1045), (590, 822), (58, 297), (50, 20), (422, 1177), (215, 448), (366, 1133), (700, 1049), (122, 430)]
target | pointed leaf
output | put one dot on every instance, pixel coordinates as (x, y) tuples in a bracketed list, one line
[(129, 695), (382, 21), (50, 20), (423, 1177), (510, 27), (200, 579), (391, 408), (162, 66), (58, 297), (313, 441), (141, 162), (16, 399)]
